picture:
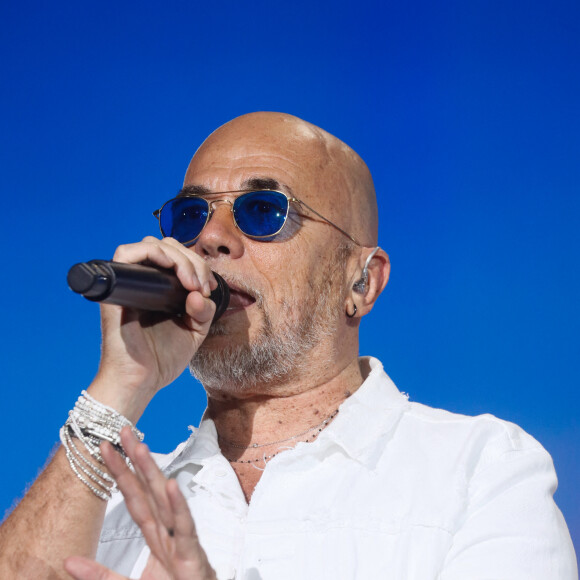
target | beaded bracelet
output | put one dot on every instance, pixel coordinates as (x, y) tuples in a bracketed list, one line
[(91, 423)]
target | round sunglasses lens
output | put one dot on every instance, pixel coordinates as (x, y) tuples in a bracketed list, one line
[(261, 213), (183, 218)]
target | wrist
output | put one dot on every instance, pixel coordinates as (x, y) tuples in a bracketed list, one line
[(128, 399), (91, 423)]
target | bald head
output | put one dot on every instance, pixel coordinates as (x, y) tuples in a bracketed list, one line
[(326, 173)]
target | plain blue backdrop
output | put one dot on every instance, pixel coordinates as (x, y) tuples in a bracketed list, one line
[(467, 114)]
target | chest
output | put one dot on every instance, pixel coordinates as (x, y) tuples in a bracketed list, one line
[(248, 477), (320, 517), (330, 520)]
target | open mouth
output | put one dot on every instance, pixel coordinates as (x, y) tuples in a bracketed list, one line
[(239, 300)]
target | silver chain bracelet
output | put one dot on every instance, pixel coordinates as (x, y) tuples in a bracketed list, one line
[(91, 423)]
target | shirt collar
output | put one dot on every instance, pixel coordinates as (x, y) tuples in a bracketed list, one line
[(366, 420), (201, 447)]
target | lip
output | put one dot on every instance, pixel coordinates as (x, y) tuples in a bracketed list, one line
[(239, 300)]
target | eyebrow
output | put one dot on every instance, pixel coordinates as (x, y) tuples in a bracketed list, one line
[(262, 183), (251, 184), (193, 190)]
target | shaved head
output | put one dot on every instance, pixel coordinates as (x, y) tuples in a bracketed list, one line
[(299, 322), (340, 183)]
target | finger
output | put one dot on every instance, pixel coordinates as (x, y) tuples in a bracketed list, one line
[(191, 269), (148, 249), (186, 541), (145, 494), (200, 312), (113, 460), (83, 569), (190, 265), (190, 559), (137, 480), (194, 265), (137, 499), (203, 271), (128, 482), (153, 479), (187, 544), (130, 445)]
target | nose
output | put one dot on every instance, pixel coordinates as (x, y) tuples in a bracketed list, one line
[(220, 236)]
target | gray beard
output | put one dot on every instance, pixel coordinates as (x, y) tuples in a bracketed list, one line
[(277, 353)]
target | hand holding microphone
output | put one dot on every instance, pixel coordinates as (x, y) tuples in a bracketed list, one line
[(141, 354)]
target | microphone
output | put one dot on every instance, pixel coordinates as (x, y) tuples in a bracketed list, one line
[(138, 286)]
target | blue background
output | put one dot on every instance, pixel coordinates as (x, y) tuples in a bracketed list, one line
[(466, 112)]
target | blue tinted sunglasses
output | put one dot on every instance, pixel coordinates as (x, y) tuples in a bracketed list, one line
[(257, 214)]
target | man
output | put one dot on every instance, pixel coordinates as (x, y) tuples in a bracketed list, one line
[(308, 462)]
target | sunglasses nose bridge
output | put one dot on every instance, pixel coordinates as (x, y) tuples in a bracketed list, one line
[(214, 204), (211, 205)]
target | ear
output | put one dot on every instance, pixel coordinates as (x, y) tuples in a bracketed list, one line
[(364, 295)]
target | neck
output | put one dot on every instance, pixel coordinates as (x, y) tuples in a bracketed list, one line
[(283, 412)]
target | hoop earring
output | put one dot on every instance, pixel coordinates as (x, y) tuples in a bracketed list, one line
[(353, 312)]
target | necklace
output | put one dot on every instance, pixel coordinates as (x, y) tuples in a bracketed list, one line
[(255, 445), (317, 429)]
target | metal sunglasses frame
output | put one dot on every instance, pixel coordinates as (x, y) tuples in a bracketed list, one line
[(211, 204)]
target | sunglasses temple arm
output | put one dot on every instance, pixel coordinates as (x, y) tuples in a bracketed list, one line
[(328, 222)]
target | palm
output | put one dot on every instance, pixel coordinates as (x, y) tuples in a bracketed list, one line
[(173, 570), (161, 347), (149, 347), (162, 513)]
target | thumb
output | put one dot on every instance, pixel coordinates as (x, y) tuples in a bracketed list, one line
[(200, 312), (84, 569)]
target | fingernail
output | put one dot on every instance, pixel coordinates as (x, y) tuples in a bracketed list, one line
[(206, 289)]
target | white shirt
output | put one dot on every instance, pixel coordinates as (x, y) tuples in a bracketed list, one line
[(389, 490)]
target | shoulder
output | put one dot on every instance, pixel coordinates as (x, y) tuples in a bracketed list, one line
[(470, 450), (485, 428), (439, 434)]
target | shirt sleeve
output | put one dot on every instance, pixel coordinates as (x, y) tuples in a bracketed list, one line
[(512, 528)]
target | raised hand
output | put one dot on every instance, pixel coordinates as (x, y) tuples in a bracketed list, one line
[(145, 351), (159, 508)]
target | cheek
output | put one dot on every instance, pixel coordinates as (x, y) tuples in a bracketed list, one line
[(287, 271), (291, 227)]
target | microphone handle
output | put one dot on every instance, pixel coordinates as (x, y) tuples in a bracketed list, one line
[(138, 286)]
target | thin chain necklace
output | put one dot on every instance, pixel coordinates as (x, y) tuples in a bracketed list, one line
[(317, 429)]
